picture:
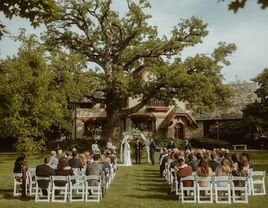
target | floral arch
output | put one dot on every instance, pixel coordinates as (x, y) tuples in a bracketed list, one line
[(129, 136)]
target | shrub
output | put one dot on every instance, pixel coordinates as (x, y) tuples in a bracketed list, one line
[(80, 144), (164, 142), (208, 143)]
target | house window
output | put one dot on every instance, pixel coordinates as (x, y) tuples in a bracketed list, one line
[(93, 128), (144, 125), (157, 102), (102, 106), (179, 131)]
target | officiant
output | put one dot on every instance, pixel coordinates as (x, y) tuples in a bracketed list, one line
[(138, 148)]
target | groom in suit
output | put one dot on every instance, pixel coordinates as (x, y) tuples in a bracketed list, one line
[(138, 147)]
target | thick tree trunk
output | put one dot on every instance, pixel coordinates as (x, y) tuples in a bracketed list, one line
[(114, 127)]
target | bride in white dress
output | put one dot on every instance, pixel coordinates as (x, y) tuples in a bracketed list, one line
[(127, 154)]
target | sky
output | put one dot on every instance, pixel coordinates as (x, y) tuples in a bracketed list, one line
[(248, 29)]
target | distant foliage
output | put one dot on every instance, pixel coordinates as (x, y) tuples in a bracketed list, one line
[(235, 5), (257, 112), (35, 11)]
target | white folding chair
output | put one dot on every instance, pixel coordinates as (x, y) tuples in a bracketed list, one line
[(249, 182), (39, 196), (17, 184), (31, 179), (77, 188), (82, 172), (188, 189), (172, 179), (108, 178), (222, 188), (76, 171), (176, 184), (56, 187), (204, 189), (93, 193), (239, 189), (257, 179)]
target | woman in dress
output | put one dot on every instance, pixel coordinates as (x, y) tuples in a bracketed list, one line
[(204, 170), (224, 169), (127, 154), (95, 147)]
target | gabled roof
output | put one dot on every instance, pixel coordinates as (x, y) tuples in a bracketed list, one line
[(178, 112)]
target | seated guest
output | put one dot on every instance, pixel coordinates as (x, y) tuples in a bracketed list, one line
[(241, 171), (213, 163), (75, 162), (224, 169), (54, 160), (193, 161), (68, 155), (63, 169), (219, 156), (88, 157), (106, 167), (94, 168), (113, 159), (204, 171), (94, 147), (163, 161), (184, 170), (44, 170), (20, 165), (83, 160), (246, 160), (175, 157), (235, 160), (60, 154)]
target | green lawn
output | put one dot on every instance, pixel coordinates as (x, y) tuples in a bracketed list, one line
[(136, 186)]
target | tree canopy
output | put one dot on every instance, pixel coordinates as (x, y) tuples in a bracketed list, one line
[(34, 91), (257, 112), (34, 11), (235, 5), (120, 46)]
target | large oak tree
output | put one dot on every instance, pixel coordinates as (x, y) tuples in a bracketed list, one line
[(119, 45)]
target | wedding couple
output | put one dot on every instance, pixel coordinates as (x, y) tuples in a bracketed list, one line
[(127, 152)]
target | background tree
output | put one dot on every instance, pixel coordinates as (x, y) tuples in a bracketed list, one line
[(34, 90), (34, 11), (257, 112), (235, 5), (120, 46)]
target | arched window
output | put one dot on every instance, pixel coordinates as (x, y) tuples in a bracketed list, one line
[(179, 131)]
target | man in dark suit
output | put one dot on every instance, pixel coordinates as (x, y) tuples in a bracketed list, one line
[(152, 150), (45, 171), (75, 162), (171, 144), (94, 168), (188, 145), (138, 147)]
